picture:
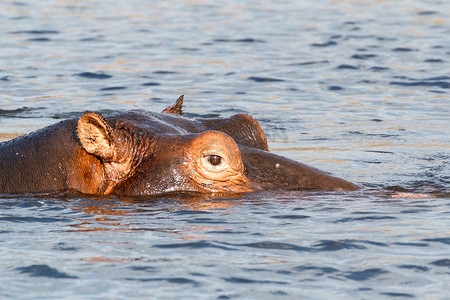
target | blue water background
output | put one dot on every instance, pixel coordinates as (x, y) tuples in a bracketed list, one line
[(357, 88)]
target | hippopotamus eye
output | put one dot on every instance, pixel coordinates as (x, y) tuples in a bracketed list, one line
[(215, 160)]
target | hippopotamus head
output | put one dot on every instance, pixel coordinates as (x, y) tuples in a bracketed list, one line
[(147, 153)]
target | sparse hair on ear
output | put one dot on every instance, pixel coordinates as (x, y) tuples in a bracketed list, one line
[(95, 135)]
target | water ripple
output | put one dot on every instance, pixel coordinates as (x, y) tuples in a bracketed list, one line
[(247, 40), (151, 84), (442, 263), (319, 271), (415, 268), (347, 67), (363, 56), (365, 274), (16, 219), (397, 295), (174, 280), (326, 44), (368, 218), (337, 245), (43, 271), (91, 75), (290, 217), (252, 281), (441, 84), (445, 240), (264, 79), (113, 88), (193, 245), (275, 246), (37, 32)]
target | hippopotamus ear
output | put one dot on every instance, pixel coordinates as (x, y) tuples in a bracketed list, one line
[(96, 135), (176, 108), (243, 128)]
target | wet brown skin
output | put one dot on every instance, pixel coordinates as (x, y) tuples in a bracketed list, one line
[(146, 153)]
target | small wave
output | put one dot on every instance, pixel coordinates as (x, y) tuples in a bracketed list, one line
[(414, 267), (16, 112), (37, 32), (378, 69), (190, 212), (382, 38), (426, 13), (412, 244), (381, 135), (437, 78), (403, 49), (193, 245), (189, 49), (246, 40), (43, 271), (251, 281), (335, 88), (39, 40), (276, 246), (290, 217), (164, 72), (318, 270), (175, 280), (143, 268), (441, 84), (415, 211), (113, 88), (396, 295), (327, 44), (368, 218), (337, 245), (365, 274), (308, 63), (445, 240), (363, 56), (433, 60), (206, 221), (151, 84), (378, 151), (228, 231), (91, 75), (347, 67), (64, 247), (16, 219), (264, 79), (441, 263)]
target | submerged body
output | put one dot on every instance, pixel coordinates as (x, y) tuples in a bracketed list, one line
[(147, 153)]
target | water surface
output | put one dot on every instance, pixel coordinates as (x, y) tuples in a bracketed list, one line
[(357, 88)]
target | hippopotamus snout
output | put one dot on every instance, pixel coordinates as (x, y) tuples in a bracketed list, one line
[(273, 172)]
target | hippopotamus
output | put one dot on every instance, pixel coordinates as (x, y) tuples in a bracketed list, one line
[(139, 152)]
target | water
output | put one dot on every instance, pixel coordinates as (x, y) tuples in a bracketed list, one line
[(357, 88)]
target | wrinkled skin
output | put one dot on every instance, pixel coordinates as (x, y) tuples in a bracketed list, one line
[(147, 153)]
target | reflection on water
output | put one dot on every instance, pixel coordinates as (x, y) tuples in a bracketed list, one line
[(113, 214), (357, 88), (289, 242)]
